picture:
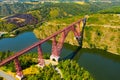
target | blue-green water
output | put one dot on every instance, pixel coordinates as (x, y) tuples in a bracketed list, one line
[(17, 43), (25, 40), (102, 65)]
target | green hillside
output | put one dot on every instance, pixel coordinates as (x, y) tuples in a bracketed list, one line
[(113, 10), (102, 31), (10, 9), (103, 28), (47, 11), (99, 33)]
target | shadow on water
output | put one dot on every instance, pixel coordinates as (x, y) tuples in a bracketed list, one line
[(102, 65), (79, 51), (101, 53), (71, 55), (80, 42)]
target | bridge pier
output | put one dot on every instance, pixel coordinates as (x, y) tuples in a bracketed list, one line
[(79, 40), (78, 32), (41, 61), (18, 69), (57, 47), (55, 54)]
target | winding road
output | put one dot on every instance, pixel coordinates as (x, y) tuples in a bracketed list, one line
[(6, 76)]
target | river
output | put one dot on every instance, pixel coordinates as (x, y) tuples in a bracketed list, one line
[(101, 65)]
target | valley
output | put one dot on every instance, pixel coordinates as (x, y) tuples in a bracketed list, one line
[(23, 24)]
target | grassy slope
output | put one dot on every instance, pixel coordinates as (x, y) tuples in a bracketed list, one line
[(103, 30), (95, 36), (101, 27)]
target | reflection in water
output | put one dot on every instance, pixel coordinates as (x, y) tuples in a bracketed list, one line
[(102, 53), (102, 65), (71, 55)]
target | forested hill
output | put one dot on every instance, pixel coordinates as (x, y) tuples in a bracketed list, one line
[(47, 12), (9, 9), (44, 12), (103, 0), (70, 0)]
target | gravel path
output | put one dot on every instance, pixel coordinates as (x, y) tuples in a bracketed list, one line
[(6, 76)]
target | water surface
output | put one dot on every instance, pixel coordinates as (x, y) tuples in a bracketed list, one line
[(102, 65)]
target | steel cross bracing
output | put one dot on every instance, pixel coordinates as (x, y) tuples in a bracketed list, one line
[(56, 45)]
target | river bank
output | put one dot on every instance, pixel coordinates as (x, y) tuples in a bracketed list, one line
[(16, 32), (94, 37)]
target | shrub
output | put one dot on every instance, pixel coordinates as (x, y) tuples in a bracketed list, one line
[(72, 71)]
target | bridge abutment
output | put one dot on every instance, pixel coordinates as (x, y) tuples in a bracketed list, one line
[(53, 57), (19, 77)]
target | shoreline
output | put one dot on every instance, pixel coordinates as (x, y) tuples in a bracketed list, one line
[(112, 52)]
